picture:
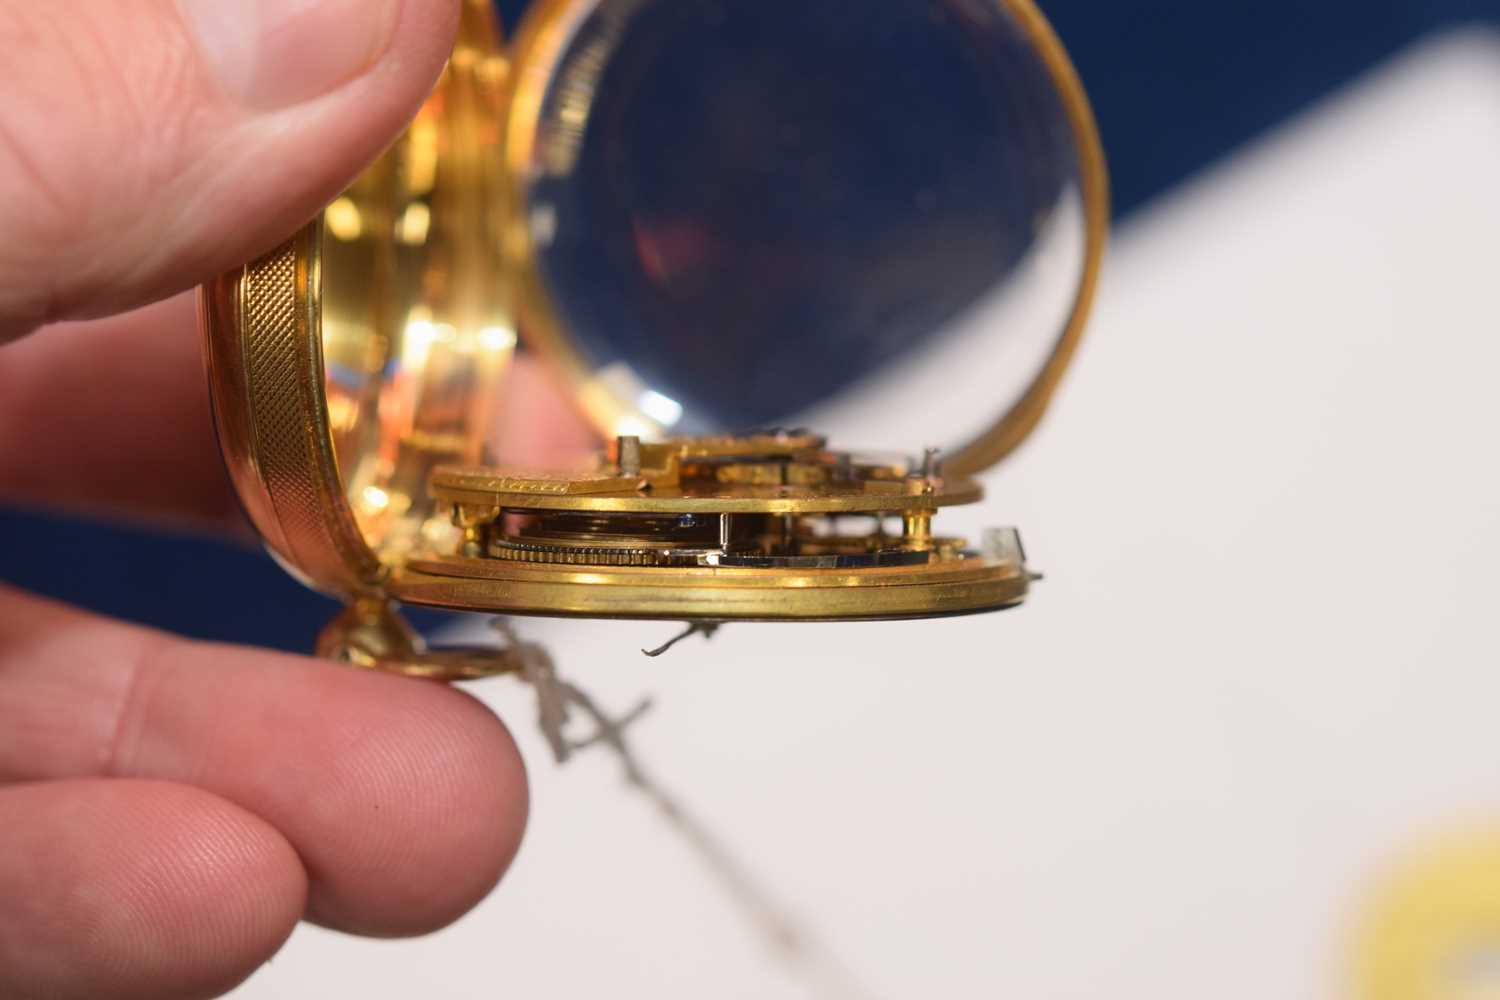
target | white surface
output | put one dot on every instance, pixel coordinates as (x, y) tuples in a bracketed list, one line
[(1265, 657)]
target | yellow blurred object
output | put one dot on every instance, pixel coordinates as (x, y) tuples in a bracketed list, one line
[(1433, 929)]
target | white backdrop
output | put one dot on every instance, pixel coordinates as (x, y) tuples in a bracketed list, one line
[(1264, 660)]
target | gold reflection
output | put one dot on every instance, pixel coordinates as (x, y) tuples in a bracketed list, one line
[(418, 328), (578, 82), (415, 224), (344, 220)]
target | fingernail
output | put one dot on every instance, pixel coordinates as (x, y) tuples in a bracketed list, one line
[(275, 53)]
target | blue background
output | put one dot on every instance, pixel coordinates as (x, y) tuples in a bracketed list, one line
[(1176, 85)]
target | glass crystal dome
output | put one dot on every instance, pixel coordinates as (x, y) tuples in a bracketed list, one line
[(872, 219)]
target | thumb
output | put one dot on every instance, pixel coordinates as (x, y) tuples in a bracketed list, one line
[(146, 146)]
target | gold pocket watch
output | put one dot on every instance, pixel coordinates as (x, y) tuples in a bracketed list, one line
[(715, 235)]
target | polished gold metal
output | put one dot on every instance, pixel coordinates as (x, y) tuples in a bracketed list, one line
[(716, 595), (371, 633), (353, 370), (265, 366), (417, 318)]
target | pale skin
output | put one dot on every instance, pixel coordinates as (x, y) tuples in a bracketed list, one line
[(170, 810)]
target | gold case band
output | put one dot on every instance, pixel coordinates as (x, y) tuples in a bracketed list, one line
[(409, 246), (1016, 425), (265, 368)]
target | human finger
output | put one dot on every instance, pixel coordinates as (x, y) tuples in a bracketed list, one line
[(138, 889), (405, 800), (145, 147)]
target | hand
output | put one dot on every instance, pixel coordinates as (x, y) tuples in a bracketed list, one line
[(170, 810)]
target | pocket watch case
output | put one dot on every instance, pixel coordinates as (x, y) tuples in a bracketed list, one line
[(709, 237)]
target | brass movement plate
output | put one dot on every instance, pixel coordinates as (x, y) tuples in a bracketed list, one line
[(967, 586)]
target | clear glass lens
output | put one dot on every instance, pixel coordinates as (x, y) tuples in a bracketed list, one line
[(864, 217)]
